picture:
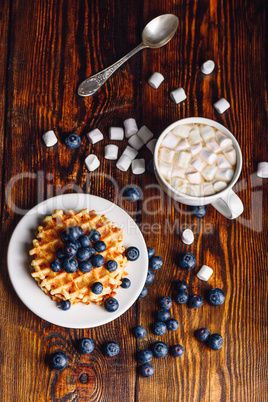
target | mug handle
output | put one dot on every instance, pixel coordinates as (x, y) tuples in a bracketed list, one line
[(229, 205)]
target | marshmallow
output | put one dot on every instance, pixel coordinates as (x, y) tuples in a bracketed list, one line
[(221, 105), (130, 127), (224, 174), (183, 159), (195, 149), (207, 133), (208, 156), (50, 138), (155, 80), (187, 236), (230, 154), (92, 162), (111, 152), (194, 177), (204, 273), (178, 172), (219, 185), (178, 95), (223, 140), (165, 170), (223, 163), (138, 166), (177, 182), (262, 170), (130, 152), (198, 163), (135, 142), (208, 67), (166, 155), (207, 189), (213, 146), (151, 145), (123, 163), (95, 136), (182, 130), (145, 134), (116, 133), (183, 144), (194, 190), (182, 187), (194, 136), (209, 172), (170, 141)]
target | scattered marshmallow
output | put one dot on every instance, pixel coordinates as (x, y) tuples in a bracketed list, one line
[(209, 172), (224, 174), (50, 138), (123, 163), (194, 136), (138, 166), (130, 152), (170, 141), (155, 80), (208, 67), (230, 154), (213, 146), (130, 127), (145, 134), (135, 142), (198, 163), (207, 133), (116, 133), (178, 95), (262, 170), (195, 149), (208, 156), (223, 163), (165, 170), (207, 189), (221, 105), (166, 155), (95, 136), (204, 273), (219, 185), (111, 152), (182, 130), (151, 145), (223, 140), (92, 162), (194, 177), (183, 144), (178, 172), (187, 236)]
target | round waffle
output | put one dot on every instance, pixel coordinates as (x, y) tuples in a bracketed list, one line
[(76, 287)]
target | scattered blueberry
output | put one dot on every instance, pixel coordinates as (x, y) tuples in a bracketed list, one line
[(55, 266), (146, 370), (111, 265), (150, 277), (69, 265), (97, 261), (85, 266), (155, 263), (111, 349), (64, 236), (200, 211), (64, 305), (215, 341), (85, 345), (100, 246), (84, 241), (187, 261), (165, 302), (159, 328), (132, 253), (151, 252), (94, 235), (195, 301), (163, 314), (143, 292), (59, 253), (111, 304), (172, 324), (150, 166), (74, 232), (97, 288), (216, 297), (144, 356), (181, 286), (182, 297), (202, 334), (69, 249), (139, 332), (58, 360), (125, 283), (160, 349), (131, 194), (177, 350), (73, 141)]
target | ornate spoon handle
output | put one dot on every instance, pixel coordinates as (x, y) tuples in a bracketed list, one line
[(93, 83)]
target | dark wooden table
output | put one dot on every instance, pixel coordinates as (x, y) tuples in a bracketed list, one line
[(47, 49)]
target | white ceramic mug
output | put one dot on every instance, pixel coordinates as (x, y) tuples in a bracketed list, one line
[(225, 201)]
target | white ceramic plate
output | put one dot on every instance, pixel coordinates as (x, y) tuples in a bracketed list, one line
[(79, 316)]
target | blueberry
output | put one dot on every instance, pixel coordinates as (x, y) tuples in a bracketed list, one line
[(84, 254), (132, 253), (202, 334), (64, 236), (100, 246), (200, 211), (85, 266), (111, 304), (131, 194), (146, 370), (150, 166), (144, 292), (59, 253), (187, 261), (69, 249), (139, 332), (73, 141), (111, 265), (150, 277), (94, 235), (58, 360), (74, 232), (84, 241), (172, 324), (181, 286), (125, 283), (55, 266), (155, 263), (64, 305), (85, 345), (160, 349), (216, 297), (195, 301), (177, 350), (111, 349), (69, 265), (182, 297), (215, 341), (97, 288), (97, 261), (77, 243), (163, 314), (159, 328), (144, 356), (165, 302)]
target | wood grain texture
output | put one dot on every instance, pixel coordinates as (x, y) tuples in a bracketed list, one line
[(47, 49)]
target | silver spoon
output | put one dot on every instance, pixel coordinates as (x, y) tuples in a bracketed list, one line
[(157, 33)]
